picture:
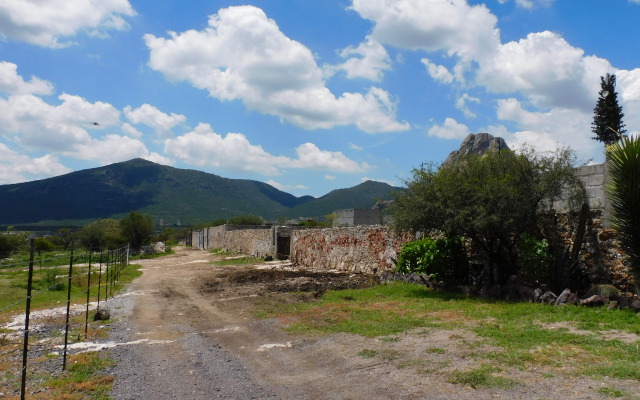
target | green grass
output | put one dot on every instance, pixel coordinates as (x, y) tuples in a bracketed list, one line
[(239, 261), (368, 353), (610, 392), (482, 376), (435, 350), (13, 286), (83, 378), (516, 329)]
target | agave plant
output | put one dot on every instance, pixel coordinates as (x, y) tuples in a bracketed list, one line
[(623, 160)]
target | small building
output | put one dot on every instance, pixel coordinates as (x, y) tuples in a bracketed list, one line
[(357, 216)]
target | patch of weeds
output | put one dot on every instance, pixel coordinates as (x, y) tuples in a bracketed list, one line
[(440, 365), (4, 340), (83, 379), (368, 353), (390, 339), (239, 261), (435, 350), (389, 355), (482, 377), (618, 369), (412, 363), (610, 392), (548, 375)]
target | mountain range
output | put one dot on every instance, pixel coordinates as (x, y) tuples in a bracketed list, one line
[(172, 196)]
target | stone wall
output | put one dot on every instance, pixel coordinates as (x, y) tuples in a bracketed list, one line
[(360, 249), (600, 259)]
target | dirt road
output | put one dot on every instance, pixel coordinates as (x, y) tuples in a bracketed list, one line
[(187, 332)]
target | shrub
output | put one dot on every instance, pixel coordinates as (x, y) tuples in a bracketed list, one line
[(51, 280), (441, 259), (534, 259), (490, 199)]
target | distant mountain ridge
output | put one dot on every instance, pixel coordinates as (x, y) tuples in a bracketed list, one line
[(170, 195)]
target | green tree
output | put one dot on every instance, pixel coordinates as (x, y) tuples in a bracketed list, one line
[(67, 235), (607, 115), (623, 159), (491, 199), (137, 229), (101, 234), (10, 243)]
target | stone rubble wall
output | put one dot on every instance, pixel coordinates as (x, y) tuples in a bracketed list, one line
[(358, 249), (600, 257)]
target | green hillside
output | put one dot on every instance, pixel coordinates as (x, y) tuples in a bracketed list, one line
[(170, 195), (364, 195)]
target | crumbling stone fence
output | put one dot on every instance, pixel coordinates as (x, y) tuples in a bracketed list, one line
[(359, 249)]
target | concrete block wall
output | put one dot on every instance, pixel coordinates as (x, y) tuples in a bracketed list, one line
[(358, 249), (594, 178), (356, 216)]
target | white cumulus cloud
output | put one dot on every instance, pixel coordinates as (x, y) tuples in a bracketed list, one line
[(52, 23), (243, 55), (451, 129), (11, 82), (114, 148), (150, 116), (203, 147), (311, 157), (369, 60), (17, 168), (551, 129), (452, 26), (438, 72)]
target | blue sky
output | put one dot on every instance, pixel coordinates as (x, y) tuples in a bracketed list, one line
[(306, 95)]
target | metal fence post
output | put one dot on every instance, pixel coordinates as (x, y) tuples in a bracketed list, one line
[(106, 281), (25, 348), (99, 280), (86, 315), (66, 327)]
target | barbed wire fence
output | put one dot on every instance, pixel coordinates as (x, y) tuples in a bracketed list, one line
[(97, 272)]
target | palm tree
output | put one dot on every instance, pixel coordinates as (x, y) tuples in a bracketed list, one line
[(623, 159)]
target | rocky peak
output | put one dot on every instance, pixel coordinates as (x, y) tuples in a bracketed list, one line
[(478, 143)]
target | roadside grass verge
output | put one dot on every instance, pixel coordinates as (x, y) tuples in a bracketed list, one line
[(83, 379), (50, 287), (577, 340), (86, 376)]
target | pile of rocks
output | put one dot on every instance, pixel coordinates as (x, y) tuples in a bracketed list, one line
[(596, 300)]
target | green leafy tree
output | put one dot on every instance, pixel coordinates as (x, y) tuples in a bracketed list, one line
[(137, 229), (102, 234), (67, 235), (607, 115), (11, 243), (623, 159), (491, 199)]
